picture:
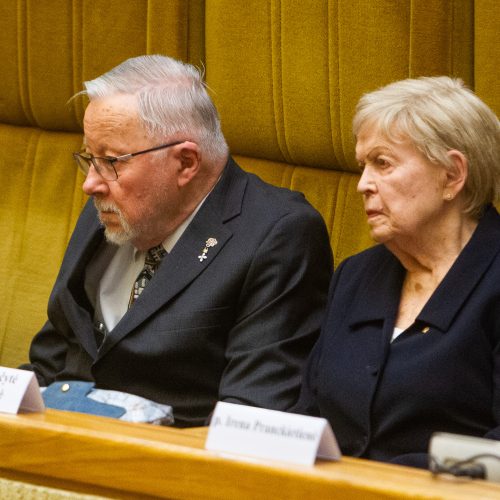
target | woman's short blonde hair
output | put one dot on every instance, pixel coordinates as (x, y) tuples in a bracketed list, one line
[(439, 114)]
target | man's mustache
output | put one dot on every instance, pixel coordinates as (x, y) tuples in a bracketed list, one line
[(103, 206)]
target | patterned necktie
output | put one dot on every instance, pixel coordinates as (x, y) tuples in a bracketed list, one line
[(153, 259)]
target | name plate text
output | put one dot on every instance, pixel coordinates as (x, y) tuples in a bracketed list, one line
[(270, 434)]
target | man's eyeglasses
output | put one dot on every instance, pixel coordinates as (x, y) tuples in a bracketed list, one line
[(105, 165)]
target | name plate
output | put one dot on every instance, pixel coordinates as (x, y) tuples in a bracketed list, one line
[(270, 434), (19, 390)]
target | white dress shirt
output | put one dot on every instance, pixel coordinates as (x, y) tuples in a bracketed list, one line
[(111, 274)]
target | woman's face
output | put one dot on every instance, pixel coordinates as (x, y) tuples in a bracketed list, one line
[(403, 192)]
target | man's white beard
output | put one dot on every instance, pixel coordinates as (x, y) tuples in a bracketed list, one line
[(119, 236)]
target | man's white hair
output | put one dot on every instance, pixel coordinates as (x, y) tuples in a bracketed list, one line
[(172, 100)]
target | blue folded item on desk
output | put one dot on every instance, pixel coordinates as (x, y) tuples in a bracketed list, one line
[(79, 396)]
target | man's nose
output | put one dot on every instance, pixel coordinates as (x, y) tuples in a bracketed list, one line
[(94, 183)]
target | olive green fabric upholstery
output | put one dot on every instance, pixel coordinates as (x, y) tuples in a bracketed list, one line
[(487, 52), (285, 75), (39, 205)]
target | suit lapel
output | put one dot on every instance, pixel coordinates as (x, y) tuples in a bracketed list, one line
[(374, 302), (379, 299), (182, 266), (469, 268), (374, 309)]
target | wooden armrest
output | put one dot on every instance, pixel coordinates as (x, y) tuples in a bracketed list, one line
[(172, 463)]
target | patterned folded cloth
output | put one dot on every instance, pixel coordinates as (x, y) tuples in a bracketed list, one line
[(75, 395)]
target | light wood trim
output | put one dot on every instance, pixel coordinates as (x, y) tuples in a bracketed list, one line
[(172, 463)]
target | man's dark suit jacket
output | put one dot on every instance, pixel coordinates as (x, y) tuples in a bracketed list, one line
[(237, 326), (384, 400)]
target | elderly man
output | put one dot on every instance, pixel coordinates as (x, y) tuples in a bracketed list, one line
[(187, 280)]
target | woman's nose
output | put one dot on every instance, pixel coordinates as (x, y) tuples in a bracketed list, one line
[(366, 182)]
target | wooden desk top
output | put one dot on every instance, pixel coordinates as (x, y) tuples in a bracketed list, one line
[(164, 462)]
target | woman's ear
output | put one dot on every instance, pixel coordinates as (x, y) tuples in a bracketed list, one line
[(189, 162), (456, 174)]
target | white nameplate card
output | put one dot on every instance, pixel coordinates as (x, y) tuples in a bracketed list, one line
[(19, 390), (270, 434)]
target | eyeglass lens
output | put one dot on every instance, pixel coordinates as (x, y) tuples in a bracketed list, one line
[(103, 166)]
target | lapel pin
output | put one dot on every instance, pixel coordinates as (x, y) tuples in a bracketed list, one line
[(211, 242)]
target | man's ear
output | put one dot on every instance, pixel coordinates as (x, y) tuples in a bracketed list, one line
[(456, 174), (189, 161)]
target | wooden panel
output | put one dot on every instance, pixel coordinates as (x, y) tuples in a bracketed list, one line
[(171, 463)]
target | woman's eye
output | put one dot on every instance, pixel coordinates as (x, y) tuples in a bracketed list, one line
[(382, 163)]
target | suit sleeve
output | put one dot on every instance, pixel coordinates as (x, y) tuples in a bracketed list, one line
[(47, 354), (493, 326), (280, 309)]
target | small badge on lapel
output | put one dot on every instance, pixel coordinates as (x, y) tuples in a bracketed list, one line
[(211, 242)]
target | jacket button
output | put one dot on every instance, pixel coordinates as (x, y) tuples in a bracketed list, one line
[(65, 387)]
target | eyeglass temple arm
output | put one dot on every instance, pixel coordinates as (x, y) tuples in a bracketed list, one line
[(130, 155)]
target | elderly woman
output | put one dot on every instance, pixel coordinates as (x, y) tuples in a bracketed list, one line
[(411, 340)]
